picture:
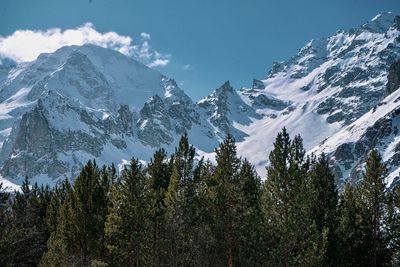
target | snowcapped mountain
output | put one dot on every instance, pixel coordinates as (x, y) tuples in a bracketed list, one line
[(224, 109), (327, 87), (340, 93), (89, 102)]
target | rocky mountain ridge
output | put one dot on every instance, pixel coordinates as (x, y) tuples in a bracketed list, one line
[(84, 102)]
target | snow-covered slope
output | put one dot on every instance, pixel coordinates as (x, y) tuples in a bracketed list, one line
[(86, 102), (226, 110), (330, 84), (378, 129), (340, 93)]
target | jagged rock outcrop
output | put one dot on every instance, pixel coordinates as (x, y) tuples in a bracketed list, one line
[(83, 102), (154, 125), (88, 102), (393, 78), (225, 107)]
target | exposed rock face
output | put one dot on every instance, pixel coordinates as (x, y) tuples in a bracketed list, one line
[(257, 84), (351, 67), (378, 129), (125, 120), (155, 125), (217, 107), (79, 103), (5, 66), (263, 101), (344, 153), (393, 78), (37, 145), (181, 108), (382, 135), (225, 107)]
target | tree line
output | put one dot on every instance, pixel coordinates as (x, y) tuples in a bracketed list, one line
[(176, 211)]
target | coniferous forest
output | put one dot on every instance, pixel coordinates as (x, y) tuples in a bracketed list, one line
[(176, 211)]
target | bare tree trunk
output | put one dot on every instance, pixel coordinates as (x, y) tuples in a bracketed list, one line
[(230, 260)]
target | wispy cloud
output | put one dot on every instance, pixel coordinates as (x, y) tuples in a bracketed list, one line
[(146, 54), (26, 45)]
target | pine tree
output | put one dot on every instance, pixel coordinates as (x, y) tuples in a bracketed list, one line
[(351, 248), (16, 239), (324, 205), (27, 234), (364, 214), (128, 223), (80, 230), (394, 224), (59, 194), (205, 250), (107, 176), (4, 196), (53, 214), (4, 225), (179, 203), (287, 206), (374, 206), (20, 205), (178, 213), (159, 170), (227, 202), (252, 238)]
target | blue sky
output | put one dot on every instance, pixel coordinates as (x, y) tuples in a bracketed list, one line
[(209, 41)]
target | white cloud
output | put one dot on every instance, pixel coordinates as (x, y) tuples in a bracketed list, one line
[(159, 63), (146, 54), (145, 36), (26, 45), (186, 67)]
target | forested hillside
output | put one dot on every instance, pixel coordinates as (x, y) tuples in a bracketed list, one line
[(176, 211)]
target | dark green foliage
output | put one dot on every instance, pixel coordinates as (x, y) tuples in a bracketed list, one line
[(351, 235), (226, 201), (4, 225), (374, 210), (394, 224), (324, 205), (128, 226), (288, 206), (159, 171), (79, 235), (3, 208), (253, 240), (60, 193), (180, 204), (24, 234), (202, 212), (177, 211), (364, 214)]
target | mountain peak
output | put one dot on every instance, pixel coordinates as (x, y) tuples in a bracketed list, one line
[(257, 84), (384, 16), (81, 70), (381, 22), (226, 87), (99, 103)]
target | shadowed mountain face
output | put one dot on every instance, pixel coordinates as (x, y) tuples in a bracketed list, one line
[(84, 102)]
